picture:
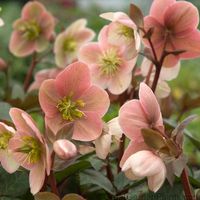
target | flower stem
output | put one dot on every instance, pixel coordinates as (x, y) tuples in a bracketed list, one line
[(186, 186), (51, 178), (121, 151), (30, 72), (156, 77)]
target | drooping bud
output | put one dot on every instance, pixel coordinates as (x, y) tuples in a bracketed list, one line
[(64, 149)]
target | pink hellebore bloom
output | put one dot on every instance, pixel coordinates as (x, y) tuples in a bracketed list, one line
[(143, 113), (68, 42), (64, 149), (108, 64), (111, 132), (72, 100), (6, 156), (167, 74), (123, 31), (174, 26), (30, 149), (43, 75), (32, 31)]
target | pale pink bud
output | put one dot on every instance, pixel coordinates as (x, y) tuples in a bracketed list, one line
[(3, 64), (65, 149)]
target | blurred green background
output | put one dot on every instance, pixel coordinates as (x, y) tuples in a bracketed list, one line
[(187, 85)]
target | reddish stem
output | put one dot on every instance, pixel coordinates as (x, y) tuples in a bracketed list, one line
[(121, 151), (186, 186), (30, 72)]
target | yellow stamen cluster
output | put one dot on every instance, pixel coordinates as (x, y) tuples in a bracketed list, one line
[(30, 30), (4, 139), (32, 147), (126, 31), (69, 109), (69, 44), (109, 62)]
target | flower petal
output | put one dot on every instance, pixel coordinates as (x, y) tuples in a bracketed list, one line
[(88, 128), (150, 106), (96, 100), (73, 80), (8, 162), (48, 98), (89, 53), (159, 7), (37, 177), (19, 46), (181, 17), (132, 119)]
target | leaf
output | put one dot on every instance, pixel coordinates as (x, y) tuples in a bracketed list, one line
[(4, 111), (72, 169), (178, 131), (45, 196), (17, 92), (97, 178), (13, 185), (136, 15), (153, 139), (121, 181), (194, 140), (72, 197)]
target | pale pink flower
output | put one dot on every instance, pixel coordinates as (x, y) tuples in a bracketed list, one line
[(32, 31), (143, 113), (151, 153), (6, 156), (174, 26), (111, 132), (64, 149), (43, 75), (122, 31), (167, 74), (30, 149), (108, 64), (72, 100), (69, 42), (145, 163)]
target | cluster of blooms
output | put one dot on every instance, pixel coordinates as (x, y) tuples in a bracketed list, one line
[(75, 96)]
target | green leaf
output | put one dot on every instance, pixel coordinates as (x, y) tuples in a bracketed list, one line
[(72, 169), (112, 112), (13, 185), (97, 178), (121, 181), (136, 15)]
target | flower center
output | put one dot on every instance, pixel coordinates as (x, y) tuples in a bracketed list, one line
[(30, 29), (70, 44), (4, 139), (32, 148), (69, 109), (109, 62), (126, 31)]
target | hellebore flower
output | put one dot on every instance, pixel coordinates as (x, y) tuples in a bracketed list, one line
[(111, 132), (108, 64), (122, 31), (6, 156), (30, 149), (143, 113), (68, 42), (72, 100), (152, 154), (64, 149), (43, 75), (32, 31), (174, 27), (167, 74)]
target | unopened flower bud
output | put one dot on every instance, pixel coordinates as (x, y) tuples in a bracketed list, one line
[(64, 149)]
